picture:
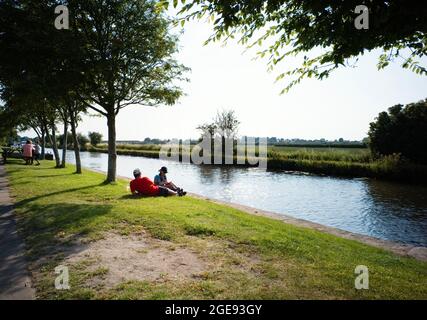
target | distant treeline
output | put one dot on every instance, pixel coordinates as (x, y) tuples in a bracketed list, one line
[(322, 145)]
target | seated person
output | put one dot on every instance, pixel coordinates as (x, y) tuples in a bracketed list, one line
[(27, 151), (146, 187), (36, 152), (162, 180)]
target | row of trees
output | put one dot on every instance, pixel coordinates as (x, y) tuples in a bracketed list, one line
[(120, 52), (114, 54), (94, 138)]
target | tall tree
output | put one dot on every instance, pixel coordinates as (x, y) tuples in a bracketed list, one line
[(63, 113), (127, 59), (37, 121), (208, 130), (25, 113), (52, 118), (8, 125), (227, 124), (38, 63), (322, 34), (401, 130), (74, 109)]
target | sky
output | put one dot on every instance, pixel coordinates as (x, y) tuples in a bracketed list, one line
[(226, 77)]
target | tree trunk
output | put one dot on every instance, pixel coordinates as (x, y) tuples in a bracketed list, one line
[(43, 143), (39, 137), (75, 143), (223, 149), (40, 131), (64, 144), (112, 155), (55, 147)]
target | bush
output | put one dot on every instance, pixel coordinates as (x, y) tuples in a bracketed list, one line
[(83, 140), (95, 138)]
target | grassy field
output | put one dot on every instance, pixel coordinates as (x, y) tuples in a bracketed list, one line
[(224, 253), (297, 153), (361, 155), (356, 155)]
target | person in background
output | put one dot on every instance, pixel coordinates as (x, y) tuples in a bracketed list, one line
[(36, 153), (145, 187), (162, 180), (27, 151)]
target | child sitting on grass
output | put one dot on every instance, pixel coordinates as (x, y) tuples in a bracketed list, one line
[(162, 180)]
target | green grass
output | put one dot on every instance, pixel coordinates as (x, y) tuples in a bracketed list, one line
[(249, 257), (361, 155), (290, 152), (145, 147), (128, 150)]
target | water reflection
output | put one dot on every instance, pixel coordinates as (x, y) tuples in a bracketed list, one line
[(206, 175), (395, 209), (386, 210)]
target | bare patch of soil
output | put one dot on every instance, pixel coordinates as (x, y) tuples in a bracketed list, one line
[(138, 257), (223, 255)]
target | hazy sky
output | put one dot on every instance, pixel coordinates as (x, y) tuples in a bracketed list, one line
[(226, 78)]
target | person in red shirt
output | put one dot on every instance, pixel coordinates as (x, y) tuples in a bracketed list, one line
[(145, 187)]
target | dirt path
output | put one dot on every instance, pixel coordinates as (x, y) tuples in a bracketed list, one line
[(15, 281)]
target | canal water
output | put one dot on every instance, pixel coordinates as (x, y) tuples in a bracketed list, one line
[(385, 210)]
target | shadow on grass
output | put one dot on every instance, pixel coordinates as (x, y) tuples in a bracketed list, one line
[(51, 229), (12, 171), (26, 201), (54, 175), (134, 197), (19, 163), (27, 180)]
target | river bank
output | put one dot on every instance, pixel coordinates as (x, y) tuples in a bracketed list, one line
[(117, 246), (330, 163), (387, 210)]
